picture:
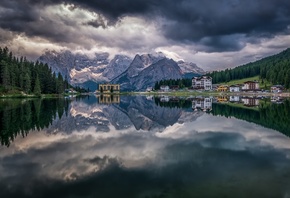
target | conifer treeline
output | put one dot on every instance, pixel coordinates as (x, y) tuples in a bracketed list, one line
[(275, 69), (173, 82), (29, 77)]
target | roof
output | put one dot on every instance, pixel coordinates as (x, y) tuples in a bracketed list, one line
[(202, 77), (278, 86)]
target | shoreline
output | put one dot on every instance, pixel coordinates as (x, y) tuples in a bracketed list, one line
[(172, 93), (197, 93)]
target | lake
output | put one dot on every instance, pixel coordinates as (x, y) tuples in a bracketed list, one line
[(145, 146)]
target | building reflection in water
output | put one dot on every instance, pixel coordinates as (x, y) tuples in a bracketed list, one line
[(109, 99), (250, 102), (200, 103), (245, 100), (222, 99), (234, 99), (277, 99)]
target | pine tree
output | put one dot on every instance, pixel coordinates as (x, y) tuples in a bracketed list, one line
[(27, 83), (37, 89), (59, 84), (5, 75)]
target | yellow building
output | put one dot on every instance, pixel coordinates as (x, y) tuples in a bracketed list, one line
[(109, 88), (223, 88)]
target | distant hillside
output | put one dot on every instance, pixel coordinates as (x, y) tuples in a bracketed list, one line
[(275, 69)]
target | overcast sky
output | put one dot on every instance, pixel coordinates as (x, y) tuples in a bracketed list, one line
[(213, 34)]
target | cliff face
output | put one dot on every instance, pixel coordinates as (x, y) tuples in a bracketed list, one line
[(81, 69), (162, 69)]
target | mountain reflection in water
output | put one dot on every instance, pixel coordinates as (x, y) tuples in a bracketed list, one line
[(145, 147)]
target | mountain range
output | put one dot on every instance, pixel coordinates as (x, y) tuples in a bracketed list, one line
[(138, 112), (133, 74)]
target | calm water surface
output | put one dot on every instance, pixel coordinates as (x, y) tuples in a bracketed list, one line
[(145, 147)]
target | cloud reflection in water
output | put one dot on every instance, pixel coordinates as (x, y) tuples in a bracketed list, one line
[(204, 157)]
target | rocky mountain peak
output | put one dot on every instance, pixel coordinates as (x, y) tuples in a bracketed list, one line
[(117, 66), (188, 67), (141, 62), (163, 69)]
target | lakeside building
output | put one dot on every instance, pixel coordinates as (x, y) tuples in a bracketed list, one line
[(70, 91), (174, 87), (223, 88), (203, 82), (149, 89), (164, 88), (234, 88), (109, 88), (277, 88), (251, 86)]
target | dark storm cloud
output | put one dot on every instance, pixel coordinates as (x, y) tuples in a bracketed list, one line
[(220, 25), (193, 20), (113, 10), (15, 15)]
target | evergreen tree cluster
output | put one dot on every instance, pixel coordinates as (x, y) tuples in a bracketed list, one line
[(29, 77), (182, 83), (275, 69), (19, 117)]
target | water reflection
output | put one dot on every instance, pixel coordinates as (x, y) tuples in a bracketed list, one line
[(109, 99), (19, 116), (142, 113), (150, 147)]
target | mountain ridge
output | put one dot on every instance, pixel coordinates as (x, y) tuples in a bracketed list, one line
[(89, 71)]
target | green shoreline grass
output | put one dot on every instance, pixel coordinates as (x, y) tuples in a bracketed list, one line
[(206, 93)]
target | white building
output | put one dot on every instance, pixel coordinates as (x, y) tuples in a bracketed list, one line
[(164, 88), (203, 82), (149, 89), (234, 88)]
